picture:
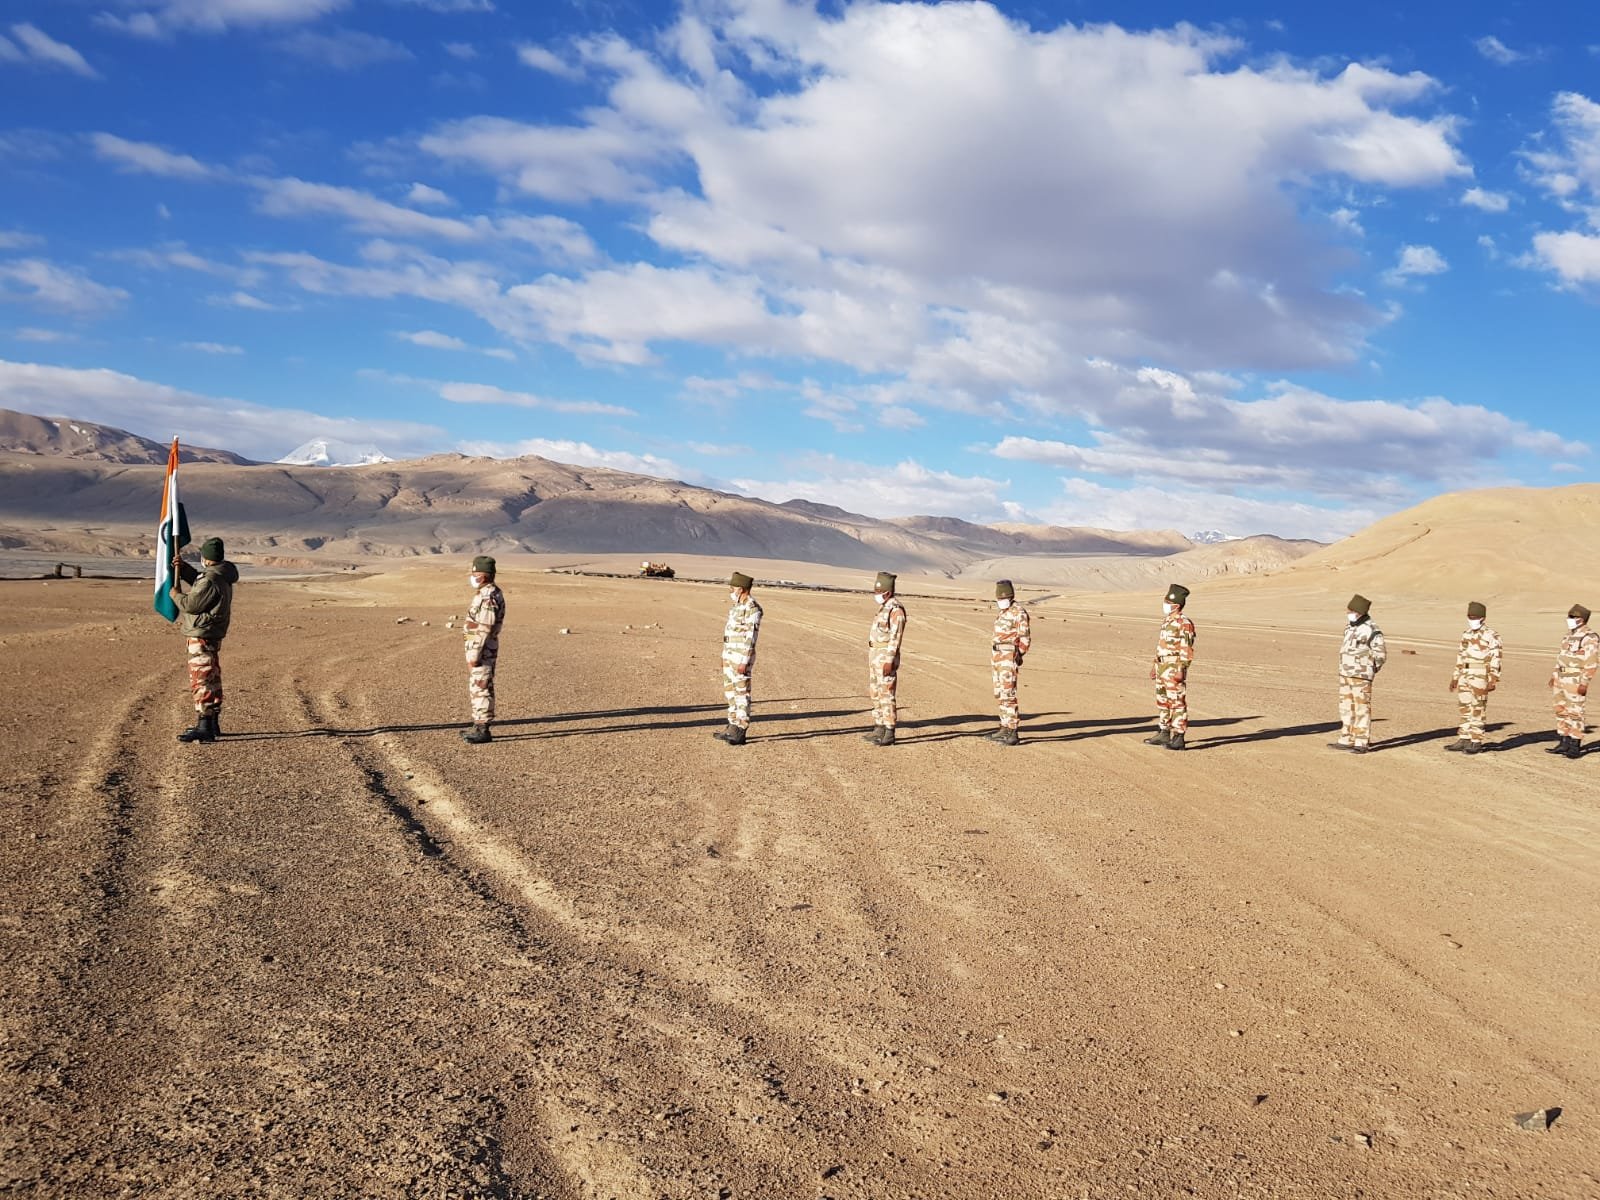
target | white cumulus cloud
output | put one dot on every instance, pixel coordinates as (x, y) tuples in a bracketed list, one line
[(50, 285), (1490, 202), (1415, 262)]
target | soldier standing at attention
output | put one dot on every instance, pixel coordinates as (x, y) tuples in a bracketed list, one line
[(1576, 664), (1477, 674), (1361, 656), (486, 612), (883, 658), (1012, 637), (205, 611), (739, 656), (1170, 671)]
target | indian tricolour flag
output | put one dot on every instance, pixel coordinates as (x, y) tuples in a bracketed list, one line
[(171, 536)]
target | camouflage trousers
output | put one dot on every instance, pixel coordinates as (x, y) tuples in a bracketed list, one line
[(1472, 698), (480, 685), (1172, 697), (205, 675), (736, 689), (1005, 667), (883, 674), (1355, 710), (1569, 708)]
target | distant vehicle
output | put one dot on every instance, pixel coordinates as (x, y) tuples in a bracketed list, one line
[(655, 570)]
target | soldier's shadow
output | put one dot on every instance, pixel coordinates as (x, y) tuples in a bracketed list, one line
[(761, 719), (1112, 727), (1428, 735), (906, 731), (1266, 735), (605, 714)]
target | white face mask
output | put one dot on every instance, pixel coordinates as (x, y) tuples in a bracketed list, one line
[(1573, 622), (879, 599), (1352, 617), (733, 596), (1474, 622), (1003, 603), (1169, 609)]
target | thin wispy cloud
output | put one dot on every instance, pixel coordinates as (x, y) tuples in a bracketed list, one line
[(32, 45), (38, 282), (343, 49)]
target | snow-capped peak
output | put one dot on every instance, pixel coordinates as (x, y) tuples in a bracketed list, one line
[(1210, 537), (326, 452)]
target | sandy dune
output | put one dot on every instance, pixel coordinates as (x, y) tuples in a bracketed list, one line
[(342, 953)]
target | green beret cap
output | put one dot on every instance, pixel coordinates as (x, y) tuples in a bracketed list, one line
[(884, 583), (483, 565), (1178, 594), (1579, 611), (1476, 611), (1359, 604), (211, 550), (1004, 591), (741, 581)]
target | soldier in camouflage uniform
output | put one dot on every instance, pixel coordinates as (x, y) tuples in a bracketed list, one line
[(486, 612), (1361, 656), (205, 611), (1576, 664), (1477, 674), (739, 657), (1170, 671), (883, 658), (1012, 637)]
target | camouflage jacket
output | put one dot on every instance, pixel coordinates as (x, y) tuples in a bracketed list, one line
[(485, 614), (1175, 642), (1362, 654), (207, 608), (888, 627), (1579, 657), (1479, 656), (739, 635), (1013, 630)]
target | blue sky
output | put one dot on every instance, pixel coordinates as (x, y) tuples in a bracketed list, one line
[(1231, 266)]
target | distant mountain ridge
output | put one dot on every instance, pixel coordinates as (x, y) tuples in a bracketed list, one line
[(24, 433), (53, 496)]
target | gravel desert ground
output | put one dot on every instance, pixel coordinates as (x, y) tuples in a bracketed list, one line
[(341, 953)]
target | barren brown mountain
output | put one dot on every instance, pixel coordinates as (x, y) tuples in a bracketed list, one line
[(77, 488), (24, 433)]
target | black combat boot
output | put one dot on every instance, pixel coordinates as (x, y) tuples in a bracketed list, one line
[(736, 736), (875, 736), (1458, 744), (1175, 742), (478, 734), (1559, 748), (1007, 737), (1574, 748), (1471, 747), (1158, 738), (204, 729), (886, 736), (723, 734)]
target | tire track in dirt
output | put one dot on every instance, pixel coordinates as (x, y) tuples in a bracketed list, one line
[(709, 1021)]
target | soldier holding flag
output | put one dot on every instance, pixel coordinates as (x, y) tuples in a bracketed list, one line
[(203, 612)]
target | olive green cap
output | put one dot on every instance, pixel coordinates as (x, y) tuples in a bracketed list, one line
[(1476, 611), (211, 549), (1359, 604), (884, 583), (1178, 594), (483, 565), (1579, 611), (1004, 591), (741, 581)]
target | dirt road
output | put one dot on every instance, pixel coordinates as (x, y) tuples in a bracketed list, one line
[(341, 953)]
